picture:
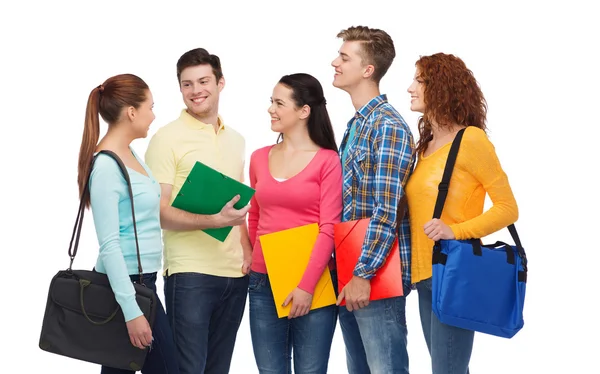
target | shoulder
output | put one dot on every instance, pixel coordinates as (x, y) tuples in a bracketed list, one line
[(330, 156), (474, 136), (329, 160), (234, 134), (105, 169), (386, 118), (259, 154), (168, 133)]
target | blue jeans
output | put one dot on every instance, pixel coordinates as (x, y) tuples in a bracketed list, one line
[(376, 336), (161, 357), (205, 312), (273, 338), (450, 347)]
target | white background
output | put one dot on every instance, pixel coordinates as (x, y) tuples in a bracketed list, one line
[(537, 64)]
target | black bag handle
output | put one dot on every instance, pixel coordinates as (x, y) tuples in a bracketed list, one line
[(79, 220), (443, 193)]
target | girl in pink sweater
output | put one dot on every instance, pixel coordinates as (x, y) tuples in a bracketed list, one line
[(298, 182)]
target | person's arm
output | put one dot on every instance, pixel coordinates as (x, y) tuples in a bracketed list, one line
[(330, 212), (482, 162), (393, 151), (106, 190), (253, 213), (172, 218), (163, 163), (245, 241)]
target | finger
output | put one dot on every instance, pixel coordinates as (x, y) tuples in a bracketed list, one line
[(306, 310), (428, 230), (353, 305), (244, 210), (287, 300), (138, 343), (232, 202), (340, 298), (428, 224), (148, 337), (132, 340), (293, 311)]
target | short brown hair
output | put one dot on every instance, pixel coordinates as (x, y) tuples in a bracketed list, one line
[(199, 56), (377, 47)]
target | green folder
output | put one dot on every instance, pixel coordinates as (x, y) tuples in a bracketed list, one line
[(206, 191)]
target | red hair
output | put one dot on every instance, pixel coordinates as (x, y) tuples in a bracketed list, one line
[(452, 96)]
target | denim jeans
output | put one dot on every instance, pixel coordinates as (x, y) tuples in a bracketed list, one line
[(205, 312), (274, 338), (376, 336), (161, 357), (450, 347)]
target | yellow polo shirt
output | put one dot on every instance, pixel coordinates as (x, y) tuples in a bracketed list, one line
[(171, 154)]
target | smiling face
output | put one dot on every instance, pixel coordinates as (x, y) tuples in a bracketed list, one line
[(285, 115), (417, 93), (350, 69), (200, 90)]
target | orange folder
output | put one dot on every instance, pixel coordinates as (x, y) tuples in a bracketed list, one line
[(286, 254), (349, 237)]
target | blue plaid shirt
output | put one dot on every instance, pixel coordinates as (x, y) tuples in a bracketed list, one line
[(377, 162)]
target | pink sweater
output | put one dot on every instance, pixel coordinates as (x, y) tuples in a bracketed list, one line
[(314, 195)]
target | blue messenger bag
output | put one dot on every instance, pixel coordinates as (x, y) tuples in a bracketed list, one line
[(478, 287)]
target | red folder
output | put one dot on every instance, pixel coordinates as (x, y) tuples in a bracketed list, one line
[(349, 237)]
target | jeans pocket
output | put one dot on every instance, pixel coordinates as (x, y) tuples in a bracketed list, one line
[(255, 281)]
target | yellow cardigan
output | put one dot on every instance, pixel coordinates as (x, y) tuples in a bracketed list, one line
[(477, 171)]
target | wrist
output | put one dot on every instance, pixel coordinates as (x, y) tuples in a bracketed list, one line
[(215, 221)]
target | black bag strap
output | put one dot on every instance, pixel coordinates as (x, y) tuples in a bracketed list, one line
[(443, 193), (79, 220)]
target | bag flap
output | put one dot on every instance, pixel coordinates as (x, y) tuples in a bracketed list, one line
[(98, 298)]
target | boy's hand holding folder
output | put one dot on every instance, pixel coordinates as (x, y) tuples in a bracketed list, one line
[(349, 238), (209, 192)]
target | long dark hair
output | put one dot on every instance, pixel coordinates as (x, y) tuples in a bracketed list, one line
[(306, 90), (108, 101)]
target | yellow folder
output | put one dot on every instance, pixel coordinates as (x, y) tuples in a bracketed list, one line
[(286, 255)]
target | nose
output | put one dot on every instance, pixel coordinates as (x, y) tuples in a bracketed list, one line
[(196, 88), (335, 63), (410, 88), (271, 109)]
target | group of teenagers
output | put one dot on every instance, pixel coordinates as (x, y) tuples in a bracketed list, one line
[(299, 179)]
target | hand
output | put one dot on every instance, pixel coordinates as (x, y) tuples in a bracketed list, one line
[(247, 262), (437, 230), (356, 292), (229, 216), (140, 333), (301, 302)]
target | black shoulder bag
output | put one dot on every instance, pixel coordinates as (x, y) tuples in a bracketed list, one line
[(82, 318)]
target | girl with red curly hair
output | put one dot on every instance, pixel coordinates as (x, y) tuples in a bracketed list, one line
[(445, 91)]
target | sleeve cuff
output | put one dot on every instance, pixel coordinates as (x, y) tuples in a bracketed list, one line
[(131, 310), (363, 271)]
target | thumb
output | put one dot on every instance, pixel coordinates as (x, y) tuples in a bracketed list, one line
[(340, 297), (288, 300)]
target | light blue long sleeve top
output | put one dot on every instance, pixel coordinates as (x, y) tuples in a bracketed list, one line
[(111, 209)]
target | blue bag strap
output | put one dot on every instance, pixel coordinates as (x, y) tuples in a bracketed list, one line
[(443, 187)]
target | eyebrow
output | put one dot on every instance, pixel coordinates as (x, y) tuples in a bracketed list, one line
[(278, 100), (199, 79), (344, 54)]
